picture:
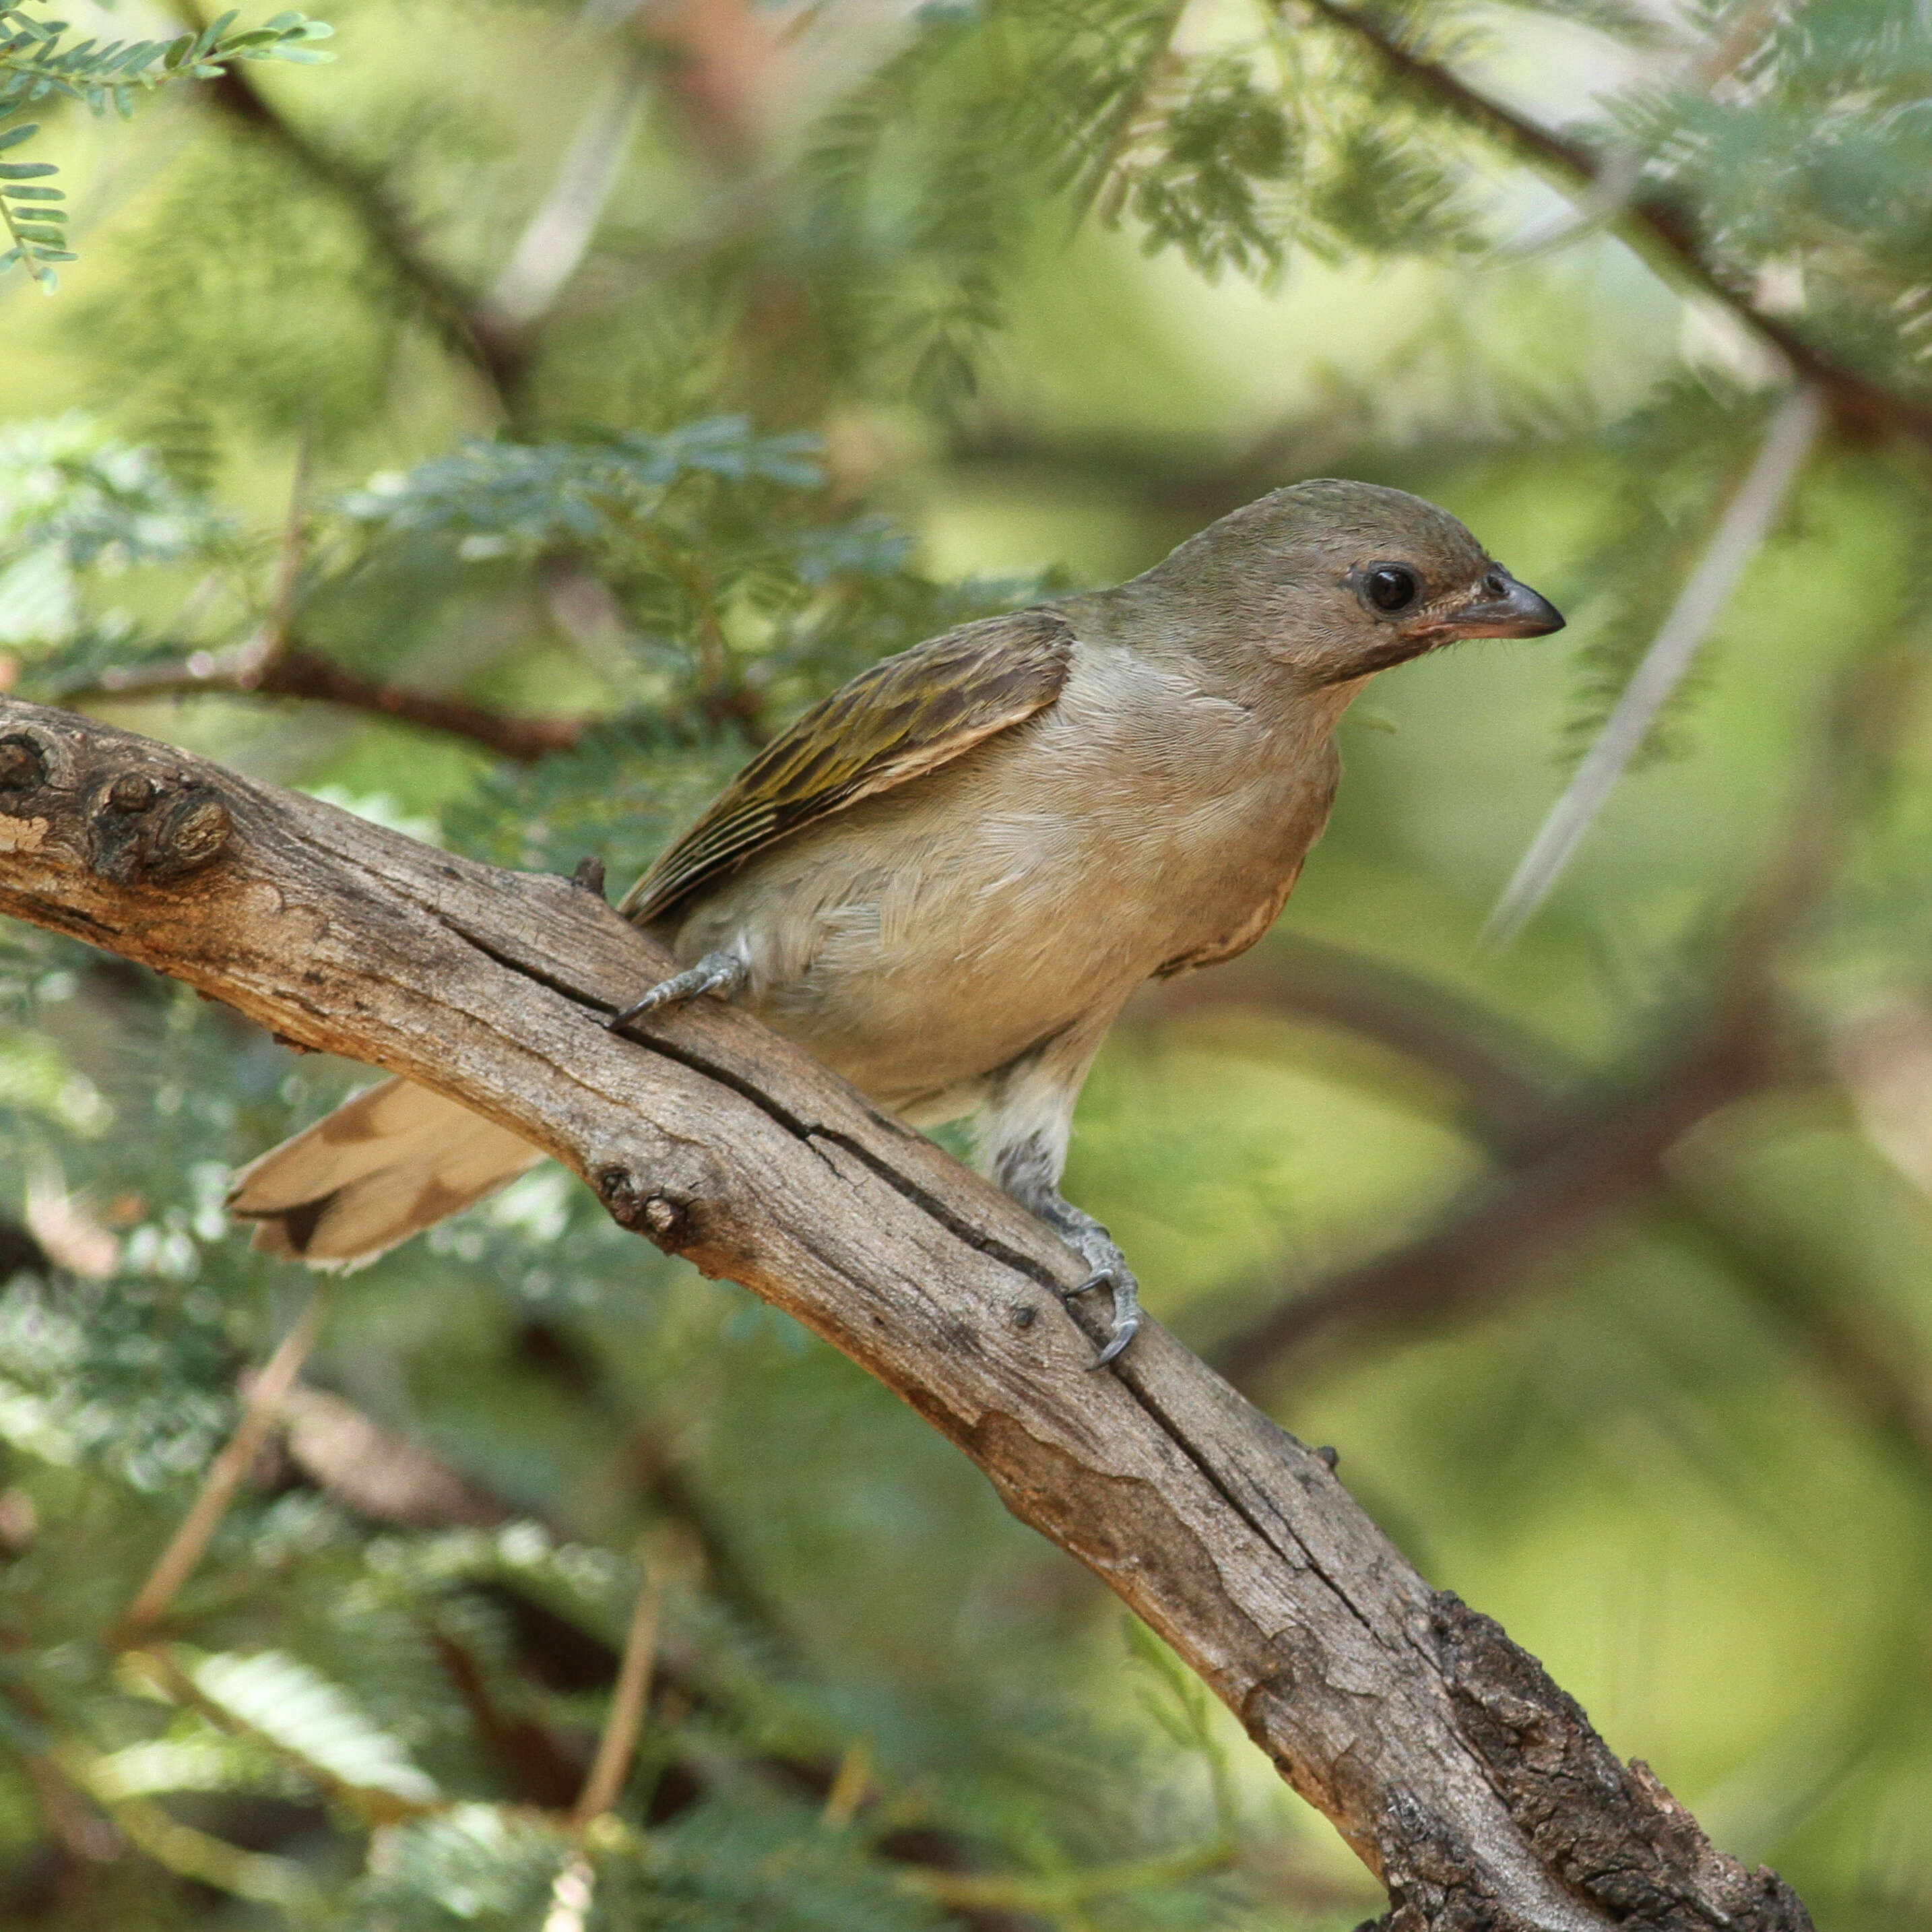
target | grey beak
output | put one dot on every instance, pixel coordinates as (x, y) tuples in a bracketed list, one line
[(1518, 612)]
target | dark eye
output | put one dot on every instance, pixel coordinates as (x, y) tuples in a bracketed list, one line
[(1391, 587)]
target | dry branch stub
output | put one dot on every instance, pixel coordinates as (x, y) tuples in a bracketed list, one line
[(1442, 1753)]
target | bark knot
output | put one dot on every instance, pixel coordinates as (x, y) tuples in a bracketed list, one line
[(658, 1217), (151, 826), (23, 765)]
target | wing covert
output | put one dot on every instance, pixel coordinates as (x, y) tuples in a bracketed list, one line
[(902, 717)]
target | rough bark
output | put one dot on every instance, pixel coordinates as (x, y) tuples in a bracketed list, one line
[(1447, 1760)]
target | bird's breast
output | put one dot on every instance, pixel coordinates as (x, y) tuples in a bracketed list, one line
[(927, 936)]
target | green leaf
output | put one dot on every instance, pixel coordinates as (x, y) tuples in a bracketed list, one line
[(314, 1721), (14, 136)]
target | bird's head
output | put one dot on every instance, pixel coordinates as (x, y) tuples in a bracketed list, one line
[(1335, 580)]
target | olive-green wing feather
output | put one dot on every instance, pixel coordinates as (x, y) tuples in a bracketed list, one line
[(905, 715)]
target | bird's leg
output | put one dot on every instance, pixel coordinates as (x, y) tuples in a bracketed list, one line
[(1028, 1120), (722, 973)]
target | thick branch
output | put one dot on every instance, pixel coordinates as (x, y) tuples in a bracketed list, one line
[(1567, 1162), (1446, 1758)]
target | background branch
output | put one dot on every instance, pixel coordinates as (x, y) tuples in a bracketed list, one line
[(497, 355), (1661, 229), (299, 672)]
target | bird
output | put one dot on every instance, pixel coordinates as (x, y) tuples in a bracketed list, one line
[(947, 879)]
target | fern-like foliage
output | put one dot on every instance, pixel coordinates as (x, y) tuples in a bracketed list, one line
[(498, 494), (1805, 161), (38, 60)]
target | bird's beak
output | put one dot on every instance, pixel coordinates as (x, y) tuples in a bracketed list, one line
[(1518, 612)]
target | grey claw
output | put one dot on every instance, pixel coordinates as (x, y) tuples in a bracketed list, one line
[(1123, 1335), (721, 972), (1095, 1247), (1126, 1308)]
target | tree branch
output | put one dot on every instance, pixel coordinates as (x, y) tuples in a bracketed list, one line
[(1447, 1760), (1583, 1159), (261, 1408), (558, 235), (299, 672), (1565, 1166), (1659, 227), (1506, 1081), (1755, 505)]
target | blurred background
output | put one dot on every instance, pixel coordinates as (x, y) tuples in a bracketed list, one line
[(500, 430)]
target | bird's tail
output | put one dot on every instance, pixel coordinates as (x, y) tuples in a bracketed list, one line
[(395, 1159)]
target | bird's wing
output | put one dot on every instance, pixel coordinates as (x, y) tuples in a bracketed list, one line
[(901, 718)]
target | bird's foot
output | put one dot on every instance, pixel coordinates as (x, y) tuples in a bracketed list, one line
[(722, 973), (1096, 1247)]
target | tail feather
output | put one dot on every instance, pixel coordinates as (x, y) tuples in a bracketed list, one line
[(395, 1159)]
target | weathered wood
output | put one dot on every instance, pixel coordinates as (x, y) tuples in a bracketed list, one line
[(1443, 1754)]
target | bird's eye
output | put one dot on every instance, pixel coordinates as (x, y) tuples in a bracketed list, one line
[(1391, 587)]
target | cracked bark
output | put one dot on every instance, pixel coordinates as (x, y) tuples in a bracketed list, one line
[(1445, 1756)]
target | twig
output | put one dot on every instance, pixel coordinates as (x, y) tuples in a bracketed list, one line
[(502, 362), (571, 1895), (76, 1826), (288, 558), (1745, 525), (612, 1764), (299, 672), (1603, 201), (212, 1861), (1586, 1159), (850, 1787), (1505, 1079), (1567, 1164), (1880, 1372), (177, 1562), (555, 238)]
